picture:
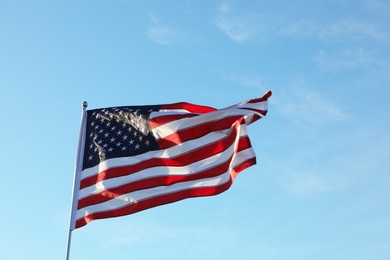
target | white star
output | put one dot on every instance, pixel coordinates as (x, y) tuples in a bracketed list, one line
[(90, 158), (131, 141), (118, 144), (137, 146), (119, 132), (106, 135), (147, 142), (112, 140), (124, 148), (110, 149), (125, 137)]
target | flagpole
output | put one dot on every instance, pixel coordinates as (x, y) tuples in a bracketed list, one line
[(76, 179)]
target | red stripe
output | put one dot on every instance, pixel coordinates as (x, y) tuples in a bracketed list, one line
[(189, 107), (160, 181), (262, 99), (243, 143), (236, 170), (197, 131), (155, 122), (156, 201), (161, 120), (152, 182), (168, 198), (182, 160), (262, 112)]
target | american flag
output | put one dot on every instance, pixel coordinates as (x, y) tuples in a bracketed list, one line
[(139, 157)]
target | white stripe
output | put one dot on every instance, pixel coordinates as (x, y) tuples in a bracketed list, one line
[(258, 106), (153, 172), (189, 122), (243, 156), (167, 153), (164, 112), (176, 111), (133, 197)]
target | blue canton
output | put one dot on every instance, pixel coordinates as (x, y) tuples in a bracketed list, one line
[(117, 132)]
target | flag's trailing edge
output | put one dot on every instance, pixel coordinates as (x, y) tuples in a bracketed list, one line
[(139, 157)]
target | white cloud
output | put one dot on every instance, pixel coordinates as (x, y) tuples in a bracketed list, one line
[(338, 162), (351, 30), (303, 184), (161, 33), (240, 27), (303, 106), (143, 233), (379, 7), (351, 58), (120, 240), (302, 28), (344, 30), (247, 81), (243, 26)]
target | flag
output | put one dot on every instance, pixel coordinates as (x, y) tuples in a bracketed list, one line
[(138, 157)]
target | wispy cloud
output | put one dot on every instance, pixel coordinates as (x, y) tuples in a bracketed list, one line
[(345, 59), (315, 124), (344, 30), (240, 27), (360, 43), (302, 28), (307, 112), (304, 106), (351, 58), (352, 30), (243, 26), (247, 81), (146, 233), (379, 7), (317, 167), (161, 33), (304, 184)]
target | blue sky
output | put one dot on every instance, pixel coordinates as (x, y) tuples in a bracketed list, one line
[(321, 187)]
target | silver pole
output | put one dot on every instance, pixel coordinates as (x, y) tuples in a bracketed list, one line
[(77, 172)]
